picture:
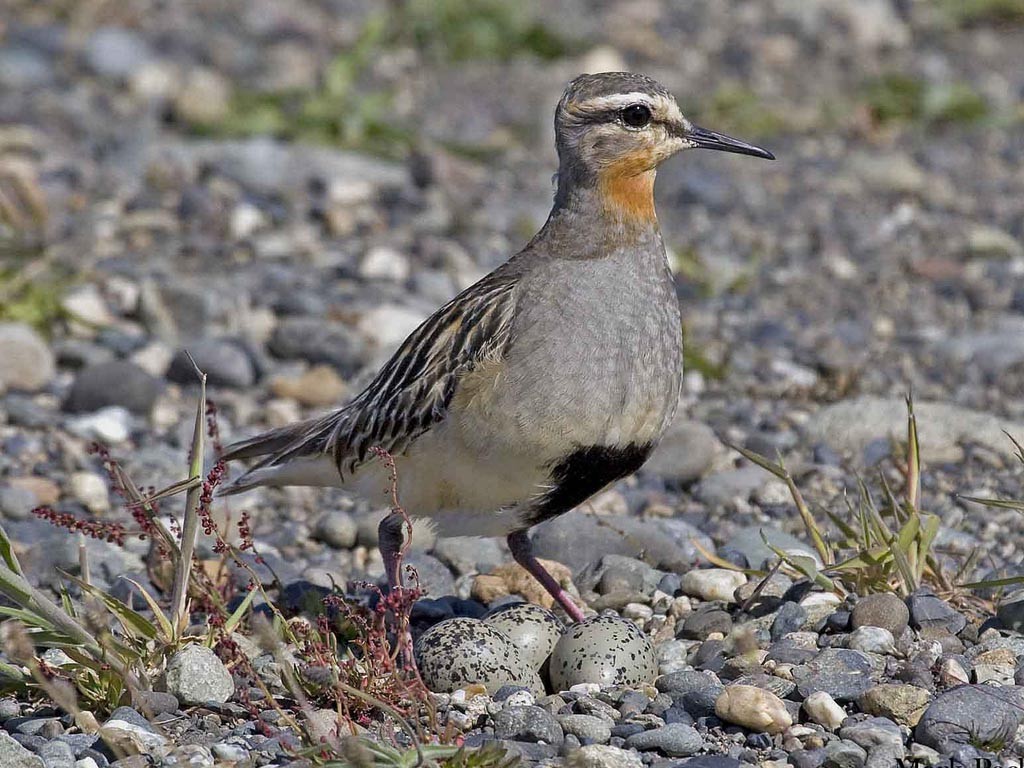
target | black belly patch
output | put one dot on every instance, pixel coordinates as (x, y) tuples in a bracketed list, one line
[(583, 473)]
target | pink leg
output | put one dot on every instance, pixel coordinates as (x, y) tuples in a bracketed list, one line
[(519, 543)]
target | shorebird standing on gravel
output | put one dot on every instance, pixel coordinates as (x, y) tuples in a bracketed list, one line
[(552, 377)]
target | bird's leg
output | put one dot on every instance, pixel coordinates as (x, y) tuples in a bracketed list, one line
[(389, 540), (522, 552), (390, 537)]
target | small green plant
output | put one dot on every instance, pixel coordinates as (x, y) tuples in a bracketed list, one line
[(876, 547)]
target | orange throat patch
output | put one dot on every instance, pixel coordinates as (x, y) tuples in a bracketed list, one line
[(627, 189)]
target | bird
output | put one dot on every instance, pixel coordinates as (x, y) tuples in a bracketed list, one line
[(552, 377)]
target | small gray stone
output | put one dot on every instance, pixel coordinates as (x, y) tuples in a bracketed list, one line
[(195, 675), (57, 754), (224, 362), (686, 451), (116, 53), (699, 624), (16, 503), (531, 724), (28, 363), (844, 754), (117, 383), (884, 610), (872, 733), (695, 691), (337, 528), (674, 740), (318, 341), (789, 618), (927, 611), (587, 728), (842, 673)]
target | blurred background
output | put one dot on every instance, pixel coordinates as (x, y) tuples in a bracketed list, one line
[(288, 188)]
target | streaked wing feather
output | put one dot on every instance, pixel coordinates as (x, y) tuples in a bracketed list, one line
[(410, 393), (413, 390)]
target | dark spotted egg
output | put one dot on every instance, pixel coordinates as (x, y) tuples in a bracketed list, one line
[(460, 652), (532, 628), (603, 649)]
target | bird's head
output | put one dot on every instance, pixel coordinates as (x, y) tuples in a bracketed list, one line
[(612, 130)]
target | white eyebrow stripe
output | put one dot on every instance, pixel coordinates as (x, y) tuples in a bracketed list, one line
[(666, 106), (616, 101)]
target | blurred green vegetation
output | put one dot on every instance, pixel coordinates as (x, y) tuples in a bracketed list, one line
[(338, 113), (970, 12), (901, 98), (737, 109), (467, 30)]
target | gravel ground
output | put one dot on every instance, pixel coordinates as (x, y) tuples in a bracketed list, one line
[(286, 190)]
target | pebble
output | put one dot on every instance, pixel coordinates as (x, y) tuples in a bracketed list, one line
[(824, 710), (195, 675), (870, 639), (336, 528), (674, 740), (713, 584), (753, 708), (601, 756), (108, 426), (884, 610), (902, 703), (686, 452), (842, 673), (91, 490), (931, 612), (118, 384), (28, 363), (530, 724), (586, 728), (317, 387), (224, 362)]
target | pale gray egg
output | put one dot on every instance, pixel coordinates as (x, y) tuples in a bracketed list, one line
[(460, 652), (532, 628), (603, 649)]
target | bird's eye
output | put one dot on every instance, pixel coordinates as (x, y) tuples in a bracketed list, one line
[(636, 115)]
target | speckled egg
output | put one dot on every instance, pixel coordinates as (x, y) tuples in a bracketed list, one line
[(606, 650), (459, 652), (532, 628)]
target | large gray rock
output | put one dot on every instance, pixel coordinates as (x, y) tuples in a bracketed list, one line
[(318, 341), (196, 676), (972, 715), (117, 383), (849, 426), (13, 755), (26, 362)]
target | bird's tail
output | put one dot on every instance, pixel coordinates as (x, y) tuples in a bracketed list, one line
[(291, 455)]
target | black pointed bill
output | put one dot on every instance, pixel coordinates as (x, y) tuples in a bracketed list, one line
[(705, 139)]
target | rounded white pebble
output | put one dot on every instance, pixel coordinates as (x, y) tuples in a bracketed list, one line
[(824, 710)]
